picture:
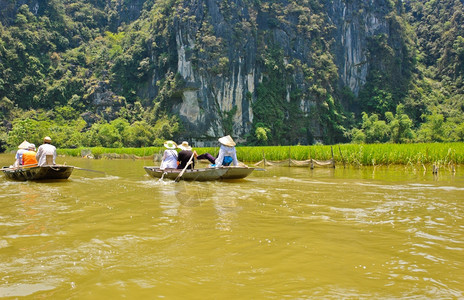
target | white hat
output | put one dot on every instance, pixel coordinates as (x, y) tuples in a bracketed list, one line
[(185, 146), (47, 139), (24, 145), (227, 141), (171, 145), (31, 147)]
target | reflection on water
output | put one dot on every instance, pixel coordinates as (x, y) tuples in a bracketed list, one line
[(283, 233), (191, 194)]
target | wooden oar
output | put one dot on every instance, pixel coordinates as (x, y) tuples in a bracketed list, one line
[(182, 172), (82, 169)]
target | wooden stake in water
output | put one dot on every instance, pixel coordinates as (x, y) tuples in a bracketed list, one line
[(289, 157), (264, 160)]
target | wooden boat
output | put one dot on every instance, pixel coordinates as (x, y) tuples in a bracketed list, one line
[(202, 174), (38, 173)]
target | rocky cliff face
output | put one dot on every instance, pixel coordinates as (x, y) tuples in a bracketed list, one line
[(217, 89), (240, 61), (355, 22), (240, 32)]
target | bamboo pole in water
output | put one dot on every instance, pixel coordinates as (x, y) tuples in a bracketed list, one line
[(289, 156), (264, 160), (333, 160)]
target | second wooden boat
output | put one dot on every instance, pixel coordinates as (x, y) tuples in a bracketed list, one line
[(38, 173)]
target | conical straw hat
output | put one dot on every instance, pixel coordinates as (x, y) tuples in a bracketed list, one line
[(24, 145), (227, 141)]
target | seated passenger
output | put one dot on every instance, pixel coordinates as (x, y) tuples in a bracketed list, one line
[(169, 160), (29, 159), (227, 153), (19, 154), (46, 154), (185, 155)]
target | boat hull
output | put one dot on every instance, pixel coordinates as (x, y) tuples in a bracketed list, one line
[(39, 173), (203, 174), (236, 172), (206, 174)]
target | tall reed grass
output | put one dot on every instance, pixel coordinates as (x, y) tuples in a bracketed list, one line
[(354, 154), (99, 152)]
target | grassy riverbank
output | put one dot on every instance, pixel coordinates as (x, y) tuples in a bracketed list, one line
[(353, 154)]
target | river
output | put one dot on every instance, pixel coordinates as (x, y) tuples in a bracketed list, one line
[(284, 233)]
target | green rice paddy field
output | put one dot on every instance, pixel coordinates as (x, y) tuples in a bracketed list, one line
[(352, 154)]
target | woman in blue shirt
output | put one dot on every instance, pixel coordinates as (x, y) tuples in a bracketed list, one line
[(227, 154)]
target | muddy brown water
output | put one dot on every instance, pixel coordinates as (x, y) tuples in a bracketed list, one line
[(284, 233)]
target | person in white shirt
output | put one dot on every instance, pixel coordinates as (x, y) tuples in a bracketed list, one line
[(19, 154), (46, 150), (227, 154), (169, 160)]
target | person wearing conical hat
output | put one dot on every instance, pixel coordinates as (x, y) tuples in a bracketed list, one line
[(46, 154), (185, 155), (227, 155), (19, 154), (169, 160)]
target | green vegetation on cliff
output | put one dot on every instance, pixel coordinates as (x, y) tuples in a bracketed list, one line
[(106, 74)]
